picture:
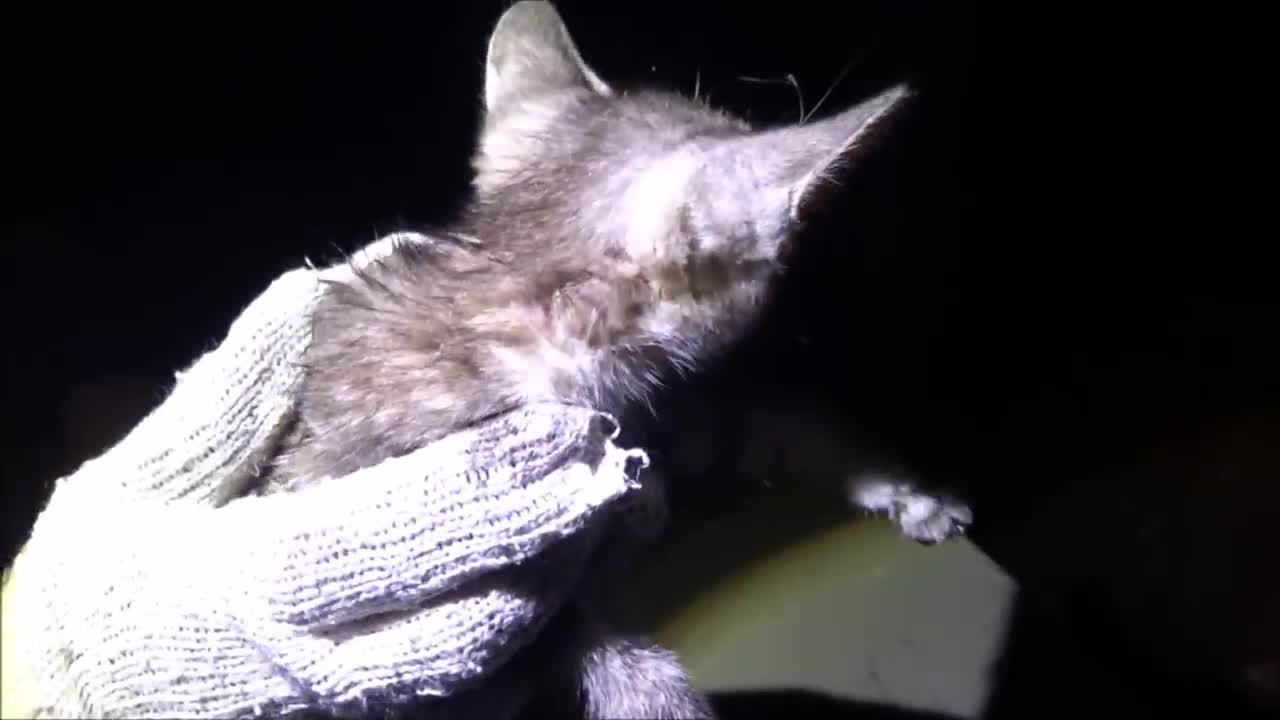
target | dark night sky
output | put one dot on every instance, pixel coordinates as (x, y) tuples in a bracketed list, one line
[(1073, 184)]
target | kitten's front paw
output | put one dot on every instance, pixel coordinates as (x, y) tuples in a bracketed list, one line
[(920, 516), (930, 519)]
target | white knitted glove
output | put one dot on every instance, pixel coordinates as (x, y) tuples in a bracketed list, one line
[(143, 592)]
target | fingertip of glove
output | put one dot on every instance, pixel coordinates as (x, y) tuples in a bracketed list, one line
[(633, 463)]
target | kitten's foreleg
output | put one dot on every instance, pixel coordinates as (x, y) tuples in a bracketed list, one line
[(797, 435)]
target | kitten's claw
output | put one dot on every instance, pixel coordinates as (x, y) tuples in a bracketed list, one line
[(920, 516)]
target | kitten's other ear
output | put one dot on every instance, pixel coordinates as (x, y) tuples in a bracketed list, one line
[(799, 160), (531, 53), (846, 137)]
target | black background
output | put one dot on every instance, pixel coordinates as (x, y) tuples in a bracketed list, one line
[(1062, 250)]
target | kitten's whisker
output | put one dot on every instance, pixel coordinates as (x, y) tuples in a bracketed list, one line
[(789, 79), (799, 95), (847, 67)]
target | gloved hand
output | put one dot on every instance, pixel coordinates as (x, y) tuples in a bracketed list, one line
[(149, 588)]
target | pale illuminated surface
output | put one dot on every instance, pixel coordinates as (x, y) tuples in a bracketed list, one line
[(851, 610)]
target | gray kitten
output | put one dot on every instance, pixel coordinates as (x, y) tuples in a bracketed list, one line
[(613, 239)]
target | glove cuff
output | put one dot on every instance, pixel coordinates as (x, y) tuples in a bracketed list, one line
[(223, 414)]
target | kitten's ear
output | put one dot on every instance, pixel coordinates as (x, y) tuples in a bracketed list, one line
[(803, 158), (531, 53), (847, 136)]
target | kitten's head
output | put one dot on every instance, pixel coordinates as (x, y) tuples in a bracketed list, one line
[(694, 201)]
